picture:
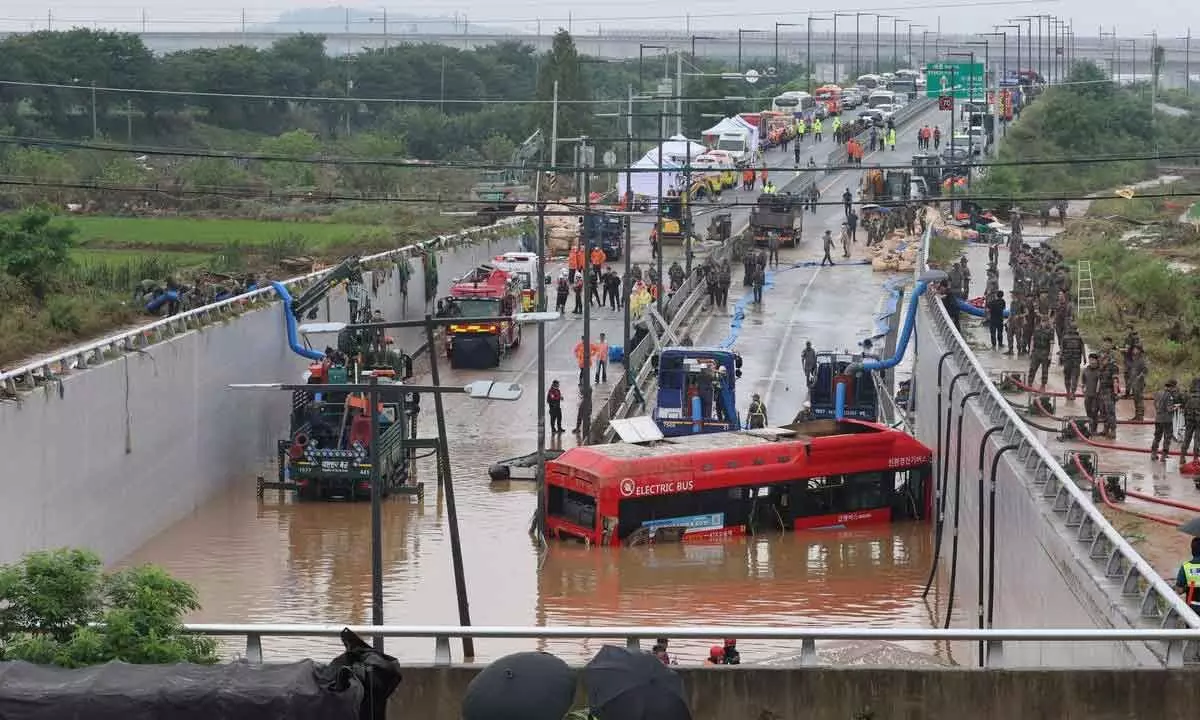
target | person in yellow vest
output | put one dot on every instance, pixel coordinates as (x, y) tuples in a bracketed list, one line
[(798, 126), (1188, 579), (817, 129), (891, 139)]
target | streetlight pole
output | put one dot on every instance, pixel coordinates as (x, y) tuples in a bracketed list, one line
[(742, 33), (1004, 62), (777, 26), (858, 42), (642, 48), (700, 37), (878, 64), (808, 66), (924, 42), (896, 43), (836, 78)]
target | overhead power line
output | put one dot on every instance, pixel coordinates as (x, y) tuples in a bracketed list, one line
[(248, 193), (400, 163), (621, 101)]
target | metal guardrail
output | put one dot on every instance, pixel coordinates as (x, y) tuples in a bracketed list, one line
[(80, 357), (994, 640), (1141, 589)]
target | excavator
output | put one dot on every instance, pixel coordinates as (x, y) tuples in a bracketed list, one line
[(500, 191)]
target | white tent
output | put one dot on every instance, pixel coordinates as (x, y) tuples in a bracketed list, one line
[(733, 124), (725, 126), (679, 148), (646, 183)]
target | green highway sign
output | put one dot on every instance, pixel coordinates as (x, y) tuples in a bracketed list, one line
[(960, 80)]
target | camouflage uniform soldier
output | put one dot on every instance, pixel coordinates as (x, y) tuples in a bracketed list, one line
[(1070, 355), (1039, 356)]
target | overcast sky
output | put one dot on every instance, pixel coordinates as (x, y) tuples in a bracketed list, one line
[(1171, 19)]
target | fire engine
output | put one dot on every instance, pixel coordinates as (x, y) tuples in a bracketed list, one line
[(485, 292)]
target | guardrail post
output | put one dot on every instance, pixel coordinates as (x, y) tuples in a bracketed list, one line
[(441, 650), (633, 644), (254, 652), (808, 653), (994, 657), (1175, 653)]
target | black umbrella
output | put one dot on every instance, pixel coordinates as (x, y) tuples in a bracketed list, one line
[(1191, 527), (521, 686), (625, 685)]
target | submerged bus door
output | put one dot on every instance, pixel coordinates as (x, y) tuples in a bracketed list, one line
[(770, 509), (912, 498)]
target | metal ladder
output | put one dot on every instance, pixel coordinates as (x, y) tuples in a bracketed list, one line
[(660, 329), (1085, 301)]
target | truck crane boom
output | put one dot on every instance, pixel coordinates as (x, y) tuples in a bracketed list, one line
[(306, 305)]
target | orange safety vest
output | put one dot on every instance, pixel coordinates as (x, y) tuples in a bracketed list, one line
[(764, 175), (597, 256), (579, 353), (575, 259), (748, 176)]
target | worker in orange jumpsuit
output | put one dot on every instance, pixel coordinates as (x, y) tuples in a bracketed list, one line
[(748, 179), (763, 176), (597, 257), (574, 263)]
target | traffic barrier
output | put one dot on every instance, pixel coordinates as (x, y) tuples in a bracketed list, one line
[(1176, 644), (1059, 556), (30, 375)]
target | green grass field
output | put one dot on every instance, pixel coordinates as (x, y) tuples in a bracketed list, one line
[(212, 234), (84, 256)]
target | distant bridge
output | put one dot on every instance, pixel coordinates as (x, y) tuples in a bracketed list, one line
[(758, 50)]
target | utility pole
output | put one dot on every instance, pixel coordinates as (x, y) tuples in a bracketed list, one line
[(679, 94), (540, 282), (589, 283), (95, 125), (554, 130)]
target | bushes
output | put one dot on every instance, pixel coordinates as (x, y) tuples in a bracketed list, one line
[(59, 608)]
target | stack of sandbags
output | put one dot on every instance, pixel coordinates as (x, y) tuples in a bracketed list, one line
[(562, 229), (896, 252)]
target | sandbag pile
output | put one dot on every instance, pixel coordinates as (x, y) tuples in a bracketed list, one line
[(896, 253), (562, 229)]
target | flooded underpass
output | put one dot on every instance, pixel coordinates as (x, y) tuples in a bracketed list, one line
[(276, 561)]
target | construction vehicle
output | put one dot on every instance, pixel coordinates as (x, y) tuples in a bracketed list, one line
[(605, 232), (485, 292), (327, 453), (696, 385), (500, 191), (776, 215), (884, 188), (862, 403), (676, 217)]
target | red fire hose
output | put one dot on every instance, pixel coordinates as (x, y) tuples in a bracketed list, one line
[(1055, 393), (1104, 496), (1049, 415), (1107, 446)]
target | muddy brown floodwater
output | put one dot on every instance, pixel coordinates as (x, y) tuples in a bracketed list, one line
[(275, 561)]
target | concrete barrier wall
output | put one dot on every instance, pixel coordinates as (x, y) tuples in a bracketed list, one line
[(114, 454), (762, 693), (1042, 578)]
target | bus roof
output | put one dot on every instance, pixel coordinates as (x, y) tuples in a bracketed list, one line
[(828, 447)]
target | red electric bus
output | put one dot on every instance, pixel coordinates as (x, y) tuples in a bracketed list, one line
[(816, 474)]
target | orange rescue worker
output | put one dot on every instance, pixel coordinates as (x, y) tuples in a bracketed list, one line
[(574, 262), (763, 176), (748, 179), (579, 359), (597, 258)]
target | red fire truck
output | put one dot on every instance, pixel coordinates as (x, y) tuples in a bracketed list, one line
[(485, 292), (815, 474)]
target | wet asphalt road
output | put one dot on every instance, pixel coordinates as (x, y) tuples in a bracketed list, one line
[(277, 561)]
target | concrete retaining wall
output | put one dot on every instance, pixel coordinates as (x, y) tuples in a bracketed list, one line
[(756, 693), (1041, 579), (114, 454)]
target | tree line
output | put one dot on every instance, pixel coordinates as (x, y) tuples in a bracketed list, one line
[(494, 80)]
